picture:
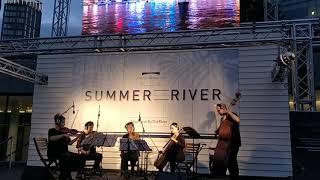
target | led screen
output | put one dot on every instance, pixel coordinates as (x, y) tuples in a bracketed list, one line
[(139, 16)]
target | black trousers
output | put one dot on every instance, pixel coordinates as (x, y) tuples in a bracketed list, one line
[(232, 165), (173, 166), (131, 156), (97, 157), (70, 162)]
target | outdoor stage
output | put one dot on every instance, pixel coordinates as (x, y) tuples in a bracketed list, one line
[(178, 75)]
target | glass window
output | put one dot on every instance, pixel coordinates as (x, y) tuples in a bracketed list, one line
[(3, 106), (3, 125), (19, 33), (19, 109)]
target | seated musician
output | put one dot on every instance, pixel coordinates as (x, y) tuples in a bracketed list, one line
[(176, 153), (58, 149), (131, 156), (87, 150)]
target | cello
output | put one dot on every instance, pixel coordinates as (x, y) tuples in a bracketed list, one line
[(162, 158), (221, 153)]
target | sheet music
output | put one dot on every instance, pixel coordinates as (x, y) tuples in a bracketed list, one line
[(134, 145), (99, 139), (110, 141), (142, 145), (128, 144)]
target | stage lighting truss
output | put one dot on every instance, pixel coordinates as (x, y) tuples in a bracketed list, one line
[(16, 70), (302, 35)]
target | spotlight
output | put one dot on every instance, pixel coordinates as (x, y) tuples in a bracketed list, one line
[(281, 66), (286, 58)]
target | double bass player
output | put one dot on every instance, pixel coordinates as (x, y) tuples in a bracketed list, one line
[(229, 134)]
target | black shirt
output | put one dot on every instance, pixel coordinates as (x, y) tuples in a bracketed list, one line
[(236, 139), (58, 148)]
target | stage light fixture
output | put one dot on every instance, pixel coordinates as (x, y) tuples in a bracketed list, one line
[(281, 66), (286, 58)]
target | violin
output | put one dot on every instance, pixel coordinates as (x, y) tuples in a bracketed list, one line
[(68, 131), (134, 136)]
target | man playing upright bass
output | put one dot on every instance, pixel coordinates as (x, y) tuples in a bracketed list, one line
[(229, 141)]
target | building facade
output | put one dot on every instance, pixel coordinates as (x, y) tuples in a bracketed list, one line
[(21, 19)]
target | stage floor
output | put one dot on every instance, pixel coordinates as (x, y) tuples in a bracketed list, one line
[(16, 174)]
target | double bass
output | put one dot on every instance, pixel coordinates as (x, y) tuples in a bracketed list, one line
[(222, 150), (162, 158)]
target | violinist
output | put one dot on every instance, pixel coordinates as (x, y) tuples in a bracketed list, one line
[(131, 156), (59, 139), (234, 140), (88, 151)]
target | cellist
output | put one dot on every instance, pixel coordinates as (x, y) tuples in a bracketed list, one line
[(176, 154), (234, 141)]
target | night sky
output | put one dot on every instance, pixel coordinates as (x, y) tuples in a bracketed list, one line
[(75, 19), (75, 23)]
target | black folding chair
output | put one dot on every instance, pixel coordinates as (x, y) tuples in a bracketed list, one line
[(190, 164), (52, 165)]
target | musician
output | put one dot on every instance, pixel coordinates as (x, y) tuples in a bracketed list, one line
[(235, 139), (58, 149), (131, 156), (176, 153), (88, 151)]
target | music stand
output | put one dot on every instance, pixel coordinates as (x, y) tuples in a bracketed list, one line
[(100, 139), (194, 135), (127, 144), (191, 132), (110, 140)]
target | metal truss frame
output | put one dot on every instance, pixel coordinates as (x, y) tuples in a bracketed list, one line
[(249, 34), (21, 72), (299, 35), (303, 70), (271, 10), (60, 19)]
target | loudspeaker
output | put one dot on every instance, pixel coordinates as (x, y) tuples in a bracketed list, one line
[(35, 173)]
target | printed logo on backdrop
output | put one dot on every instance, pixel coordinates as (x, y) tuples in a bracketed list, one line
[(153, 95)]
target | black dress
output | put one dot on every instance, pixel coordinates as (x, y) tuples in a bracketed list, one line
[(176, 153)]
